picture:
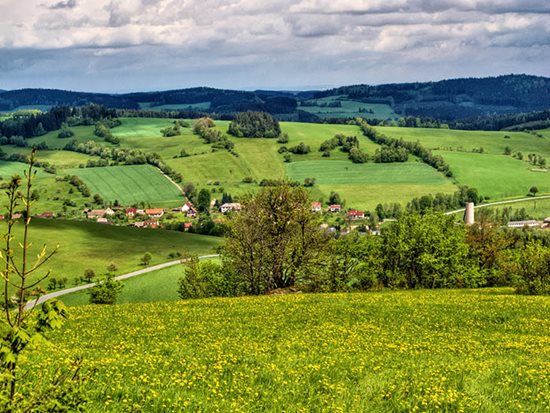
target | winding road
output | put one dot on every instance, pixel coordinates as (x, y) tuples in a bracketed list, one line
[(531, 198), (59, 293)]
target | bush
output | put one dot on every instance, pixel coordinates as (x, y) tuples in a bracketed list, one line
[(530, 268), (106, 291), (300, 149), (203, 279)]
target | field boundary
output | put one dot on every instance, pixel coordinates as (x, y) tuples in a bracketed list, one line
[(33, 303)]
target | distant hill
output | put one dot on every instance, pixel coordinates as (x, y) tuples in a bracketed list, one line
[(446, 100), (456, 98)]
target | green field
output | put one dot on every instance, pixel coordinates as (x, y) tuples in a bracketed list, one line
[(85, 245), (496, 176), (130, 184), (176, 106), (160, 285), (365, 185), (396, 351), (350, 109)]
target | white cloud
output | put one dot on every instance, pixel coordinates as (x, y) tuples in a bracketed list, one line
[(276, 42)]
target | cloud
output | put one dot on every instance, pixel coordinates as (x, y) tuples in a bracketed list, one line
[(69, 4), (247, 43)]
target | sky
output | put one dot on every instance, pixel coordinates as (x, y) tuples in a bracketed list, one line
[(140, 45)]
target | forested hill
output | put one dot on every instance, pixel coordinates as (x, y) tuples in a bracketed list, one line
[(446, 100), (456, 98)]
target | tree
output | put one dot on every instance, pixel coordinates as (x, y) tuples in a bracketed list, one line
[(111, 268), (20, 326), (533, 190), (203, 200), (146, 259), (356, 155), (105, 291), (334, 198), (275, 241), (254, 125), (89, 275)]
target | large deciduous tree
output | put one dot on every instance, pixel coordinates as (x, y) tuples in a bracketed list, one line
[(275, 241)]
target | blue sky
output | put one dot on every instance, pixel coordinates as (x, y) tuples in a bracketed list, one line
[(127, 45)]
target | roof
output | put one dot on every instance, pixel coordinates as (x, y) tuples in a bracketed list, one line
[(335, 206), (154, 211), (316, 204), (355, 213), (134, 210)]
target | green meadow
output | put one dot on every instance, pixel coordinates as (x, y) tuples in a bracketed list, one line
[(349, 109), (394, 351), (496, 176), (85, 245), (130, 184)]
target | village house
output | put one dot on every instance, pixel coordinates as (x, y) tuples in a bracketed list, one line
[(130, 212), (16, 216), (520, 224), (192, 213), (149, 223), (46, 215), (354, 214), (335, 208), (187, 207), (187, 226), (99, 213), (102, 220), (230, 206), (154, 212), (316, 207)]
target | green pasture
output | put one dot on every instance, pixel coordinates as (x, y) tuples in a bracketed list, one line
[(365, 185), (176, 106), (496, 176), (350, 109), (492, 143), (160, 285), (393, 351), (85, 245), (130, 184)]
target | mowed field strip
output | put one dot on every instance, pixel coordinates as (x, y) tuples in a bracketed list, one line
[(129, 184)]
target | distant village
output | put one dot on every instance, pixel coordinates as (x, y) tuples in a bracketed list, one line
[(151, 217)]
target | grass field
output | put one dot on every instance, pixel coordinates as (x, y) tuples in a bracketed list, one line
[(350, 109), (130, 184), (160, 285), (455, 351), (496, 176), (365, 185), (85, 245), (535, 208)]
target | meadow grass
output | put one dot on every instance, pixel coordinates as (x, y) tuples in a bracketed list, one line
[(350, 108), (130, 184), (366, 185), (160, 285), (492, 142), (496, 176), (393, 351), (85, 245)]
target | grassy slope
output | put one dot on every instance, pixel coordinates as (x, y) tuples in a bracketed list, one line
[(350, 108), (160, 285), (130, 184), (496, 176), (88, 245), (470, 351), (363, 183), (493, 173)]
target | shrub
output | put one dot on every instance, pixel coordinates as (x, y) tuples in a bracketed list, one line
[(202, 279), (530, 267), (105, 291)]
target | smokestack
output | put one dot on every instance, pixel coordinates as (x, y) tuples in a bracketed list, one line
[(469, 213)]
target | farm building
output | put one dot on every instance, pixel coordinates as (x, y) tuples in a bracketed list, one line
[(155, 212), (99, 213), (230, 206), (46, 215), (316, 207), (520, 224), (354, 214), (102, 220), (130, 212), (335, 208), (150, 223), (187, 207)]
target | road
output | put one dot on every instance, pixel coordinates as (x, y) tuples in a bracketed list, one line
[(59, 293), (530, 198)]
